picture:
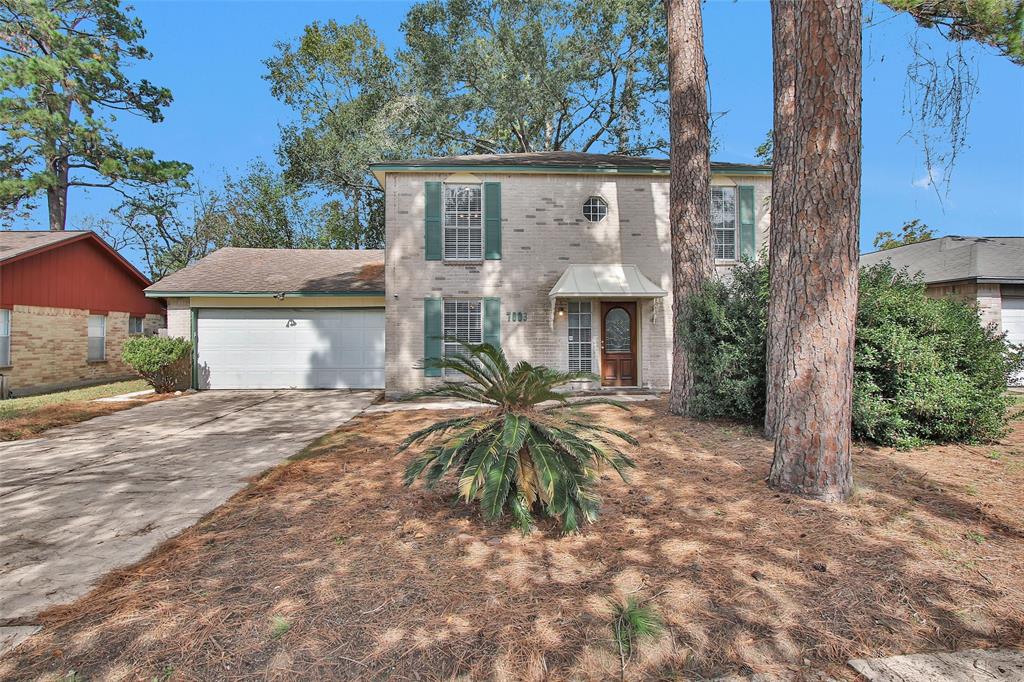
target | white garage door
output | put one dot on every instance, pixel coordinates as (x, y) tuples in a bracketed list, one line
[(1013, 325), (291, 348)]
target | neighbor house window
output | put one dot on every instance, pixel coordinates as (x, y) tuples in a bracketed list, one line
[(580, 351), (463, 222), (463, 321), (97, 338), (595, 209), (135, 325), (723, 221), (5, 338)]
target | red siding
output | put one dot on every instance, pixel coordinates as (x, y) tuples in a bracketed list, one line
[(80, 274)]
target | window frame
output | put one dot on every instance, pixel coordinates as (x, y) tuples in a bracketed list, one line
[(603, 204), (473, 335), (580, 344), (142, 325), (735, 225), (470, 229), (5, 333), (89, 337)]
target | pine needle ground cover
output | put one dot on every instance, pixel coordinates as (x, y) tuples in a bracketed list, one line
[(330, 568)]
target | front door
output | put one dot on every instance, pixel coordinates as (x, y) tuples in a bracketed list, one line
[(618, 344)]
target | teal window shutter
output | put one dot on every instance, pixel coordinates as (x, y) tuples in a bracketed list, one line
[(492, 220), (492, 321), (432, 332), (746, 210), (432, 221)]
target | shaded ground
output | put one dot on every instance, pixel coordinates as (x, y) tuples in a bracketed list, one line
[(27, 417), (329, 568), (89, 498)]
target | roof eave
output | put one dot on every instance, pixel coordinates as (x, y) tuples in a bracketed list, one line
[(379, 170), (255, 294)]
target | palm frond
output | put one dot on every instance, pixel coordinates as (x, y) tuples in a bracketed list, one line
[(515, 458)]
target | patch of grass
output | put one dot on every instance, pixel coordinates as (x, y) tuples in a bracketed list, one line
[(633, 621), (16, 407), (975, 537), (278, 626), (995, 456), (971, 490)]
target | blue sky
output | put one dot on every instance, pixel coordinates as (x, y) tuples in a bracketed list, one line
[(210, 55)]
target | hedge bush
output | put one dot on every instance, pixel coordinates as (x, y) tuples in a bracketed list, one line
[(162, 361), (926, 370)]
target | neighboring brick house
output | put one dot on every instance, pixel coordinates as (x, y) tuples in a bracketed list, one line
[(563, 258), (987, 271), (68, 301)]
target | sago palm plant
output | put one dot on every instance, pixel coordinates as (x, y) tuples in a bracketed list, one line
[(518, 457)]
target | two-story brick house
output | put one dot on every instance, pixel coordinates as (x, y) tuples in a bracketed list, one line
[(563, 258)]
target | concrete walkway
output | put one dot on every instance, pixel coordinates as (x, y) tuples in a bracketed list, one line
[(970, 665), (95, 496)]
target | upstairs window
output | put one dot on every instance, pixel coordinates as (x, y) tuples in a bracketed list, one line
[(463, 222), (595, 209), (723, 221), (135, 325), (97, 338), (463, 321), (5, 338), (580, 349)]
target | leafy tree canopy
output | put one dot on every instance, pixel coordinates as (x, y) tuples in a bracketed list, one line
[(996, 23), (171, 228), (474, 76), (63, 81), (913, 231)]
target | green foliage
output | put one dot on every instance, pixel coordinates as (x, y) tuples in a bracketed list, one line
[(632, 622), (913, 231), (518, 458), (279, 625), (765, 152), (925, 369), (727, 332), (172, 228), (995, 23), (474, 76), (164, 362), (62, 76)]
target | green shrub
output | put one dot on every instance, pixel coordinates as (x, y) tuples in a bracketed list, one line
[(726, 336), (926, 370), (162, 361), (518, 457)]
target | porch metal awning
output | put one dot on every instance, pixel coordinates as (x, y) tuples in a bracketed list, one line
[(616, 280)]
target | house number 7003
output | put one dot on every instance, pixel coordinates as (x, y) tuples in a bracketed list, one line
[(516, 317)]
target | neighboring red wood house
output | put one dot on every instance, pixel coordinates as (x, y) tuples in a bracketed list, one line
[(67, 303)]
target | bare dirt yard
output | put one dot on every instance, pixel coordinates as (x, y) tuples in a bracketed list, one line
[(327, 567)]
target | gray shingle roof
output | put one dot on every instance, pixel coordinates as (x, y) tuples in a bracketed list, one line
[(17, 242), (948, 259), (318, 271), (563, 160)]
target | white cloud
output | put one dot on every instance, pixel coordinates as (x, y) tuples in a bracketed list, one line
[(933, 177)]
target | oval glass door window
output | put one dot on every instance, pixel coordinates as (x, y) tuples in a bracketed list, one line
[(616, 331)]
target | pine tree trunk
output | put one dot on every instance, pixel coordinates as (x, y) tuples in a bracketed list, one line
[(57, 196), (817, 302), (784, 75), (690, 184)]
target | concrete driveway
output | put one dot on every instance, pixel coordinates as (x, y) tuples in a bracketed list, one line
[(92, 497)]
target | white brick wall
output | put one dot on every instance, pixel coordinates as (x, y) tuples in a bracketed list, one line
[(179, 318), (987, 297), (543, 231)]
